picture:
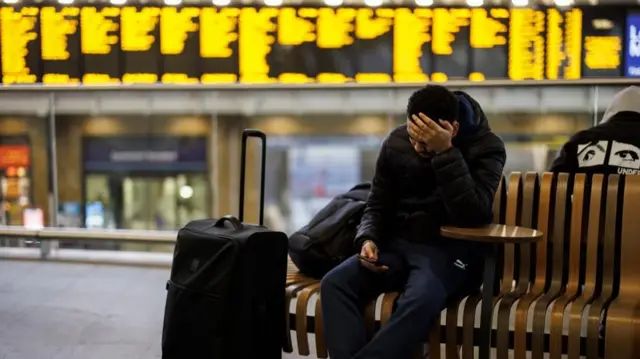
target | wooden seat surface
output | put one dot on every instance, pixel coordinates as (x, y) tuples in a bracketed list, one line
[(493, 233)]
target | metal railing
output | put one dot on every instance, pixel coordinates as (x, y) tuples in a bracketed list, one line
[(82, 234), (52, 234)]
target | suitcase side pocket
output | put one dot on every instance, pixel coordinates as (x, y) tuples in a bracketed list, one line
[(194, 324)]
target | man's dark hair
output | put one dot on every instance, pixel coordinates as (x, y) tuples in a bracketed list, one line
[(435, 101)]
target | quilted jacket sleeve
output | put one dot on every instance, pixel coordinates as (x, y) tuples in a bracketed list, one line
[(566, 160), (469, 187), (379, 201)]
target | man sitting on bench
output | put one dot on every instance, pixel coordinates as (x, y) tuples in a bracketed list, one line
[(611, 147), (442, 168)]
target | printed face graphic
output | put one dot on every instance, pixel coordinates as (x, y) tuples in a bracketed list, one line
[(624, 155), (592, 154)]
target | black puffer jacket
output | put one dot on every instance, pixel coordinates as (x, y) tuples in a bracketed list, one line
[(412, 196)]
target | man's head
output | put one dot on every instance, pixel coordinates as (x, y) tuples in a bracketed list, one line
[(438, 103)]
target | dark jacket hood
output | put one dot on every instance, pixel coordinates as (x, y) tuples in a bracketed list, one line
[(627, 100), (472, 120)]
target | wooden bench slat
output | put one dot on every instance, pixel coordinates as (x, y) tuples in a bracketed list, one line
[(607, 243), (545, 213), (370, 318), (594, 217), (471, 304), (388, 301), (556, 288), (321, 349), (301, 317), (622, 315), (291, 291), (514, 199), (525, 197), (572, 258)]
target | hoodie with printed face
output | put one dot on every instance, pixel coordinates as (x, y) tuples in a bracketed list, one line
[(611, 147)]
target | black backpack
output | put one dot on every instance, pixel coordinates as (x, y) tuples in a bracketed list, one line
[(328, 239)]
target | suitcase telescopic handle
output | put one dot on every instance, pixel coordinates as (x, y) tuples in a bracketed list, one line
[(237, 224), (243, 171)]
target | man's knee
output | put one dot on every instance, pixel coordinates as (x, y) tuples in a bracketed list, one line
[(338, 278), (329, 283), (426, 293)]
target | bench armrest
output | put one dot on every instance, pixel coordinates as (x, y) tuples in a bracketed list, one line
[(493, 233)]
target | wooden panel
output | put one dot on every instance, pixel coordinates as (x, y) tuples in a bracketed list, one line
[(471, 304), (572, 286), (545, 213), (301, 317), (594, 216), (529, 191), (293, 287), (321, 349), (556, 288), (622, 316), (606, 242)]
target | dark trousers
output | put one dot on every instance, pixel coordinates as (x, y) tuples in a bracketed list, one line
[(428, 277)]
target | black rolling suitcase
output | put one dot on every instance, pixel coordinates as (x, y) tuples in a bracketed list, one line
[(225, 298)]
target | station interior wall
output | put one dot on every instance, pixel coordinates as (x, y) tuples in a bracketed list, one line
[(223, 142)]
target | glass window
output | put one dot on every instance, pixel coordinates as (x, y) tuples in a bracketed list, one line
[(145, 202)]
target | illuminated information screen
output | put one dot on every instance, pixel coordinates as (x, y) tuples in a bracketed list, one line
[(100, 44), (60, 44), (489, 32), (296, 45), (179, 45), (450, 44), (20, 45), (140, 45), (603, 34)]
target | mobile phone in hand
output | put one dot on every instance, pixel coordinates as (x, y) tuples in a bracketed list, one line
[(369, 260)]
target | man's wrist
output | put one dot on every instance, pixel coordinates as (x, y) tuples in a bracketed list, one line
[(369, 240), (450, 146)]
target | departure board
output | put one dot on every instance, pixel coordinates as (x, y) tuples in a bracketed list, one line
[(219, 59), (526, 44), (140, 45), (20, 45), (450, 44), (60, 44), (100, 44), (105, 44), (488, 39), (179, 45), (603, 38)]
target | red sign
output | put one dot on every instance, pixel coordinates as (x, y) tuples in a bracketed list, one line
[(14, 156)]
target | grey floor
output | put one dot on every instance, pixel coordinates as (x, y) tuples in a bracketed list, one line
[(80, 311), (69, 311), (54, 310)]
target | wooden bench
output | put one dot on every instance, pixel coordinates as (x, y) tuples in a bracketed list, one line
[(548, 293)]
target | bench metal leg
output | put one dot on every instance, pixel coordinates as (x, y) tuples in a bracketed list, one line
[(486, 312)]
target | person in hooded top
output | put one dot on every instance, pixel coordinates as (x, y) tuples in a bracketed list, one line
[(442, 168), (611, 147)]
